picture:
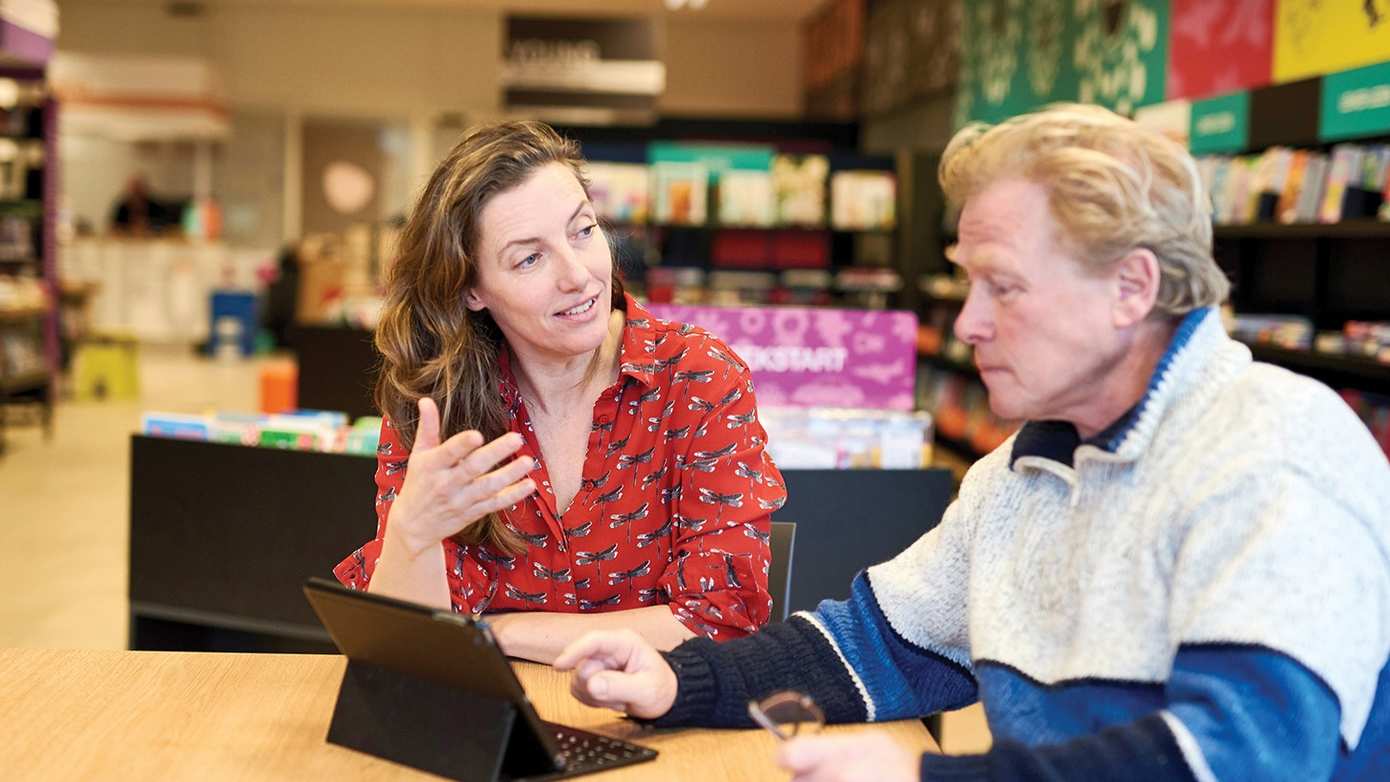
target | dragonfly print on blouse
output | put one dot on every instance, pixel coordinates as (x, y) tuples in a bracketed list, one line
[(675, 495)]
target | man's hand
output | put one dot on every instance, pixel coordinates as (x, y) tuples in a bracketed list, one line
[(620, 671), (861, 757)]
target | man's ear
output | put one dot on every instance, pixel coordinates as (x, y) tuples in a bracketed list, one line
[(1137, 277), (471, 300)]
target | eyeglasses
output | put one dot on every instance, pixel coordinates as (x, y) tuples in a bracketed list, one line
[(787, 714)]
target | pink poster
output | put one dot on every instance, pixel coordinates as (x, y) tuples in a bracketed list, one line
[(811, 357), (1219, 47)]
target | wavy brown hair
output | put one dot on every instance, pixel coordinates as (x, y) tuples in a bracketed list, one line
[(431, 344)]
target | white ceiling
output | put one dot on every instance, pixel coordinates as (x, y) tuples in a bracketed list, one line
[(790, 10)]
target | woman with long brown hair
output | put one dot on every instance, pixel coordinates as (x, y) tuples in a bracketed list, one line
[(639, 494)]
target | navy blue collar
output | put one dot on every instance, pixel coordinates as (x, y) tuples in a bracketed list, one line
[(1058, 440)]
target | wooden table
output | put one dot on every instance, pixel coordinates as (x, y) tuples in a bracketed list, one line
[(97, 714)]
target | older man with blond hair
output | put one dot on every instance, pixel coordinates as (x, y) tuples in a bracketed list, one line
[(1179, 568)]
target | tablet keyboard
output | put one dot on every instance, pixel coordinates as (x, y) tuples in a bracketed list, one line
[(585, 751)]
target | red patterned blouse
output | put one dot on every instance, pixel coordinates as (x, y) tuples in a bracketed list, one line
[(674, 505)]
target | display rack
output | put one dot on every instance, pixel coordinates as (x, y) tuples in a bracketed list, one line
[(761, 255), (28, 203)]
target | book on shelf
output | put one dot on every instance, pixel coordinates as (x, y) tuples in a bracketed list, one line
[(1276, 164), (1292, 186), (1286, 331), (681, 193), (863, 200), (798, 184), (620, 191), (746, 198), (1305, 208)]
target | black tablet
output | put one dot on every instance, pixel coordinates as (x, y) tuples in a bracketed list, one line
[(460, 651)]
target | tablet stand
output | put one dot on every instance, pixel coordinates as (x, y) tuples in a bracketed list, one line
[(433, 726)]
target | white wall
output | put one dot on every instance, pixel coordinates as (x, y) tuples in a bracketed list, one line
[(282, 63), (351, 59), (249, 179), (343, 61)]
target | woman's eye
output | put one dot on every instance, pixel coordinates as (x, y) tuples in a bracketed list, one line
[(528, 261), (585, 233)]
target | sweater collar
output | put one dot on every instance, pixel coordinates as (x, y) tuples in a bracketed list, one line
[(1195, 344)]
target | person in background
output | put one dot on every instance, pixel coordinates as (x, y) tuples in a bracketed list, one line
[(138, 213), (551, 453), (282, 296), (1179, 568)]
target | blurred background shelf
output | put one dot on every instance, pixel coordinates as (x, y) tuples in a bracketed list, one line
[(1350, 229), (1330, 368)]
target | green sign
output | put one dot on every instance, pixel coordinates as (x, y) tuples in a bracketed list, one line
[(1220, 124), (717, 158), (1355, 103)]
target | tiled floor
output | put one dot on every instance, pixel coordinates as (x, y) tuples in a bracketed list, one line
[(66, 502), (66, 505)]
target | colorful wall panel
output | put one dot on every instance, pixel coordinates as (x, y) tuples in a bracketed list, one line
[(1355, 103), (1015, 56), (1022, 55), (1219, 47), (1121, 52), (1313, 37)]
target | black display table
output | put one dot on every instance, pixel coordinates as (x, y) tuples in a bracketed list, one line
[(223, 536)]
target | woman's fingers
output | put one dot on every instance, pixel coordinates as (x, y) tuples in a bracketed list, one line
[(503, 499), (427, 430), (458, 447), (502, 477), (486, 457), (458, 471)]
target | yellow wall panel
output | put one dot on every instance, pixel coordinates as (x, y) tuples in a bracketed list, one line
[(1314, 37)]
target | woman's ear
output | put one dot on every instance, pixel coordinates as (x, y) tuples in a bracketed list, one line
[(472, 301)]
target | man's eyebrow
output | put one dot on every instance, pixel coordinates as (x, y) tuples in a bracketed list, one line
[(989, 261)]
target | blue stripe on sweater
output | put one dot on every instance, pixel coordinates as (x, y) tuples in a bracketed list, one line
[(902, 679), (1021, 709), (1255, 713)]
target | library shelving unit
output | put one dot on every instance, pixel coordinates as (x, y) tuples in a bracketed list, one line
[(1329, 274), (28, 203), (788, 262)]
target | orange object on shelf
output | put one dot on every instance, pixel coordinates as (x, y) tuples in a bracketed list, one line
[(928, 340), (279, 382)]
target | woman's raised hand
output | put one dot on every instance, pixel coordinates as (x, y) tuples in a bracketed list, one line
[(451, 485)]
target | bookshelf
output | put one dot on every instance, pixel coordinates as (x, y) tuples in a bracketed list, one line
[(28, 201), (1333, 369), (1349, 229), (945, 362), (958, 447), (753, 210)]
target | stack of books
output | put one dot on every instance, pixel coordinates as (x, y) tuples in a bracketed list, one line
[(1298, 185)]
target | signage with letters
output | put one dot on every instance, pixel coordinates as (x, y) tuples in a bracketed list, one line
[(583, 71), (1355, 103), (812, 357), (1220, 124)]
